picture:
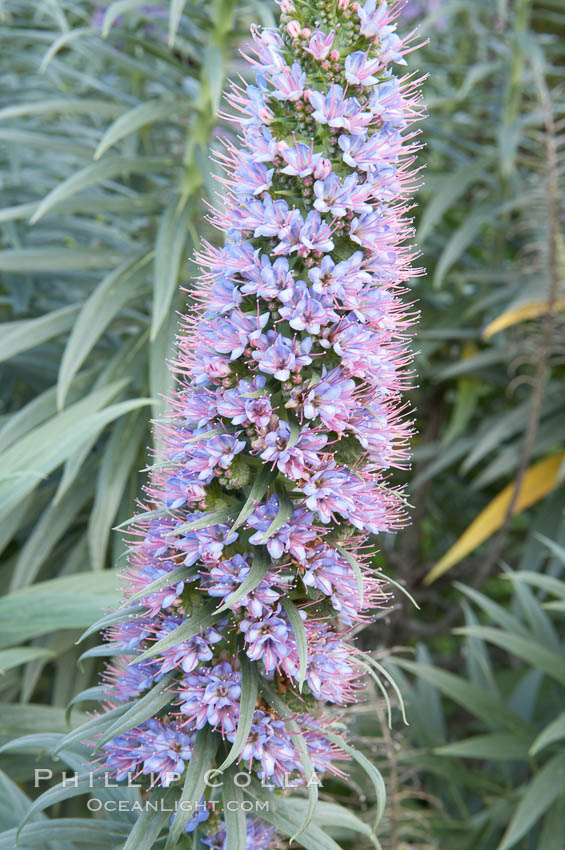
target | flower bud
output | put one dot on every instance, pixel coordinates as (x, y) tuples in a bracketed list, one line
[(293, 29), (322, 169)]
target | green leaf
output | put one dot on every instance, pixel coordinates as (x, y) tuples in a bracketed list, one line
[(461, 239), (62, 106), (116, 468), (234, 816), (249, 691), (451, 188), (283, 515), (175, 14), (540, 794), (142, 709), (72, 602), (553, 585), (554, 731), (200, 763), (332, 815), (369, 768), (42, 260), (259, 570), (286, 818), (92, 174), (170, 254), (503, 746), (119, 287), (149, 824), (112, 619), (16, 337), (526, 648), (300, 635), (209, 519), (56, 794), (202, 619), (58, 517), (258, 490), (302, 748), (141, 115), (62, 41), (487, 707), (355, 567), (85, 830), (34, 457), (213, 64), (21, 655), (390, 679), (115, 10), (179, 574), (94, 726), (98, 694)]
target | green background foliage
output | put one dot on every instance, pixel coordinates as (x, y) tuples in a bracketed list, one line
[(107, 115)]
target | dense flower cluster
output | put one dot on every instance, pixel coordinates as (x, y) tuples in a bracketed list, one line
[(287, 417)]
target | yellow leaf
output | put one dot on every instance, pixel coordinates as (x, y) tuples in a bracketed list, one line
[(539, 480), (529, 310)]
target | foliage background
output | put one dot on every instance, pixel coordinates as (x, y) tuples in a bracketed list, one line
[(106, 117)]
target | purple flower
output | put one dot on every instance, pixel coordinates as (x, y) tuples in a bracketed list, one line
[(307, 311), (286, 420), (167, 751), (289, 84), (360, 70), (320, 44), (331, 399), (267, 640), (212, 696), (300, 161), (279, 356)]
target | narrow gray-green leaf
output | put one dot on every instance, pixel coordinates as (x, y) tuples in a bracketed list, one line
[(258, 490), (554, 731), (115, 10), (302, 748), (149, 705), (107, 299), (112, 619), (249, 691), (176, 575), (200, 763), (259, 570), (175, 13), (171, 252), (92, 727), (16, 337), (202, 619), (150, 823), (117, 467), (86, 830), (62, 41), (21, 655), (369, 768), (526, 648), (286, 818), (20, 477), (283, 515), (541, 792), (451, 188), (211, 518), (234, 815), (139, 116), (99, 171), (297, 624), (356, 569)]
